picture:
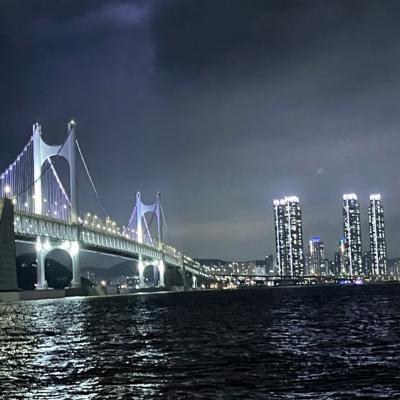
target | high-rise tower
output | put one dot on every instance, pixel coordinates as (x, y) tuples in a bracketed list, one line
[(352, 234), (289, 236), (377, 242), (316, 257), (341, 257)]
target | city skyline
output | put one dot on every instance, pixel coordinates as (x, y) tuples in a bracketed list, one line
[(332, 246), (351, 257)]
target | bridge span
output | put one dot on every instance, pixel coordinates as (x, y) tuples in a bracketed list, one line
[(45, 213)]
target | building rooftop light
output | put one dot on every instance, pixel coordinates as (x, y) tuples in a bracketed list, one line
[(375, 196), (350, 196)]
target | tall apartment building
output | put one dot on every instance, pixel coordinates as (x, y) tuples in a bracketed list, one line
[(289, 236), (352, 234), (377, 241), (316, 257)]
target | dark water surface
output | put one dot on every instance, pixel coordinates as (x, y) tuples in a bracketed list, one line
[(289, 343)]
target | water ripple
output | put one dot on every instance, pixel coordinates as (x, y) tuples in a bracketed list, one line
[(300, 343)]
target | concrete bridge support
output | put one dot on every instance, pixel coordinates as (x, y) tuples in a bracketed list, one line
[(160, 265), (76, 271), (43, 248), (8, 268), (184, 277), (41, 283), (141, 271), (161, 271)]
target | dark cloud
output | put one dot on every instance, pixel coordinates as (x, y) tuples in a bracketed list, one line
[(221, 105)]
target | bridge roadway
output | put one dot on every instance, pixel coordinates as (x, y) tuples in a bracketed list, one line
[(30, 227)]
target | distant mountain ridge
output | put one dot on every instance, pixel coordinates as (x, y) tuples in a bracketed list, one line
[(125, 268)]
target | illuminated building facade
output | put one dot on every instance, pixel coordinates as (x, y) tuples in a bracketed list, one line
[(352, 235), (367, 263), (316, 257), (342, 255), (377, 242), (289, 236)]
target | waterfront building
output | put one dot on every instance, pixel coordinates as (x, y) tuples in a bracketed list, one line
[(316, 257), (337, 262), (270, 265), (366, 261), (393, 268), (325, 267), (289, 236), (377, 241), (352, 234), (261, 267), (332, 269), (342, 255)]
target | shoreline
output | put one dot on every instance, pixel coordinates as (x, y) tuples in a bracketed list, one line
[(23, 296)]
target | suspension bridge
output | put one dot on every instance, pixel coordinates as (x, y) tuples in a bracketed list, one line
[(46, 213)]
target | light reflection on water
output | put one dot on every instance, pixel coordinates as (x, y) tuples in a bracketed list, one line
[(301, 343)]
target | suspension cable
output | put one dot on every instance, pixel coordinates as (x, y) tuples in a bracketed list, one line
[(53, 169), (91, 180), (163, 215), (153, 213), (148, 232)]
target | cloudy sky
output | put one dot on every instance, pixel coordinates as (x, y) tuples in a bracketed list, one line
[(222, 105)]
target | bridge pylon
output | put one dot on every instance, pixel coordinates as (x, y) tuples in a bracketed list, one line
[(42, 152), (140, 212)]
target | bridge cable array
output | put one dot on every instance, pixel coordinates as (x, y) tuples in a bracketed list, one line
[(107, 214), (17, 182)]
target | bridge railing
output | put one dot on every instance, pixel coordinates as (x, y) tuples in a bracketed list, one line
[(102, 236), (29, 224), (109, 227)]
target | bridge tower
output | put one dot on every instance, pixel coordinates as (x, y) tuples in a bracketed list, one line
[(41, 152), (141, 210)]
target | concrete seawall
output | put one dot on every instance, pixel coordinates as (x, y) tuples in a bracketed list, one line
[(8, 268), (31, 295)]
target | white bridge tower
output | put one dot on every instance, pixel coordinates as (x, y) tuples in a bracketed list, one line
[(141, 210), (41, 153)]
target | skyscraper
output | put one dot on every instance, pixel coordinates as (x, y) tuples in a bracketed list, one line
[(289, 236), (352, 234), (377, 242), (316, 257), (337, 263)]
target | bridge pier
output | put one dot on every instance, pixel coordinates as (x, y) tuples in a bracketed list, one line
[(141, 271), (184, 278), (44, 247), (194, 281), (161, 271), (41, 252), (76, 271)]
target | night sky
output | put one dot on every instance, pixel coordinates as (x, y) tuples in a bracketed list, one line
[(222, 105)]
